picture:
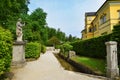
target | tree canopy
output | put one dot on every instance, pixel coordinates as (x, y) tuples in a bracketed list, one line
[(10, 9), (36, 28)]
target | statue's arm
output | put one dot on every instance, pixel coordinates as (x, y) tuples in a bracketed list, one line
[(24, 24), (20, 24), (19, 28)]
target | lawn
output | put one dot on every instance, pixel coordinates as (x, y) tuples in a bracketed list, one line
[(97, 65)]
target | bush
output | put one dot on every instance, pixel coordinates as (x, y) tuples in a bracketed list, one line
[(43, 49), (53, 41), (94, 47), (32, 50), (5, 50), (116, 37), (65, 48)]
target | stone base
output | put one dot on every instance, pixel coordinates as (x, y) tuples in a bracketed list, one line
[(18, 54), (19, 43), (71, 54), (112, 73), (18, 64)]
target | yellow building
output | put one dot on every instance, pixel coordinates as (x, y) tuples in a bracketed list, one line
[(87, 32), (102, 22)]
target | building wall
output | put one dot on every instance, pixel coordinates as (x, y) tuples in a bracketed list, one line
[(95, 24), (103, 27), (85, 33), (106, 17), (88, 22), (114, 13)]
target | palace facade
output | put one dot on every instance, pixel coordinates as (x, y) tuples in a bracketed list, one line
[(102, 22)]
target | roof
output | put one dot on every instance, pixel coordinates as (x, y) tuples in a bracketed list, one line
[(90, 13), (113, 0), (103, 6), (83, 30), (105, 3), (94, 13)]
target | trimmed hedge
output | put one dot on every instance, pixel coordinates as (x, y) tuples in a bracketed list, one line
[(94, 47), (43, 48), (33, 50), (5, 50), (116, 37)]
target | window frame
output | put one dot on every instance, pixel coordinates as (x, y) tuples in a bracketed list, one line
[(103, 19), (118, 14)]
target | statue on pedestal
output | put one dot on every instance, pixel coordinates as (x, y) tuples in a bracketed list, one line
[(18, 53), (19, 26)]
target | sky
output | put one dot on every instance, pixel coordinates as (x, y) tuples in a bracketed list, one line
[(68, 15)]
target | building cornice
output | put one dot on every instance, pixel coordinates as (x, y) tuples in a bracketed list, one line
[(107, 2)]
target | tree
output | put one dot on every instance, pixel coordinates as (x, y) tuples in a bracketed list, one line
[(10, 8), (53, 41), (51, 32), (35, 26), (60, 35), (10, 11), (70, 38), (40, 16)]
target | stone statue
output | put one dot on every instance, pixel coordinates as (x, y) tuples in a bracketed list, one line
[(19, 26)]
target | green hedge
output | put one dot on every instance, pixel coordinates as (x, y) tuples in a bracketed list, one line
[(65, 48), (116, 37), (94, 47), (5, 50), (43, 48), (33, 50)]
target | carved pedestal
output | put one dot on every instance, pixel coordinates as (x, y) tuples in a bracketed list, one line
[(112, 60), (18, 54)]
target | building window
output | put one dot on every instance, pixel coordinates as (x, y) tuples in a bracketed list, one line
[(91, 29), (95, 28), (119, 14), (103, 19)]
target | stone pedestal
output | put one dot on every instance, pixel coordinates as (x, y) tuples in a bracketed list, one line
[(18, 54), (112, 61), (71, 54)]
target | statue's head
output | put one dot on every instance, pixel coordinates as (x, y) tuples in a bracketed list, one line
[(19, 19)]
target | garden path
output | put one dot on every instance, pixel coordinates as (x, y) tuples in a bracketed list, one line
[(47, 67)]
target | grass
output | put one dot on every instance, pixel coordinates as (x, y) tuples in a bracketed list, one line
[(96, 65)]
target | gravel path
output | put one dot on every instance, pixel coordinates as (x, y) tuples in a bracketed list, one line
[(48, 68)]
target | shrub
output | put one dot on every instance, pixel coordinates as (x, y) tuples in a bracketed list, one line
[(5, 50), (116, 37), (32, 50), (65, 48), (53, 41), (43, 48), (94, 47)]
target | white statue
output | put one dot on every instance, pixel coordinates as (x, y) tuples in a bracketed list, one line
[(19, 26)]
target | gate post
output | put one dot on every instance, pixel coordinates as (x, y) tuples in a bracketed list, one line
[(112, 61)]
